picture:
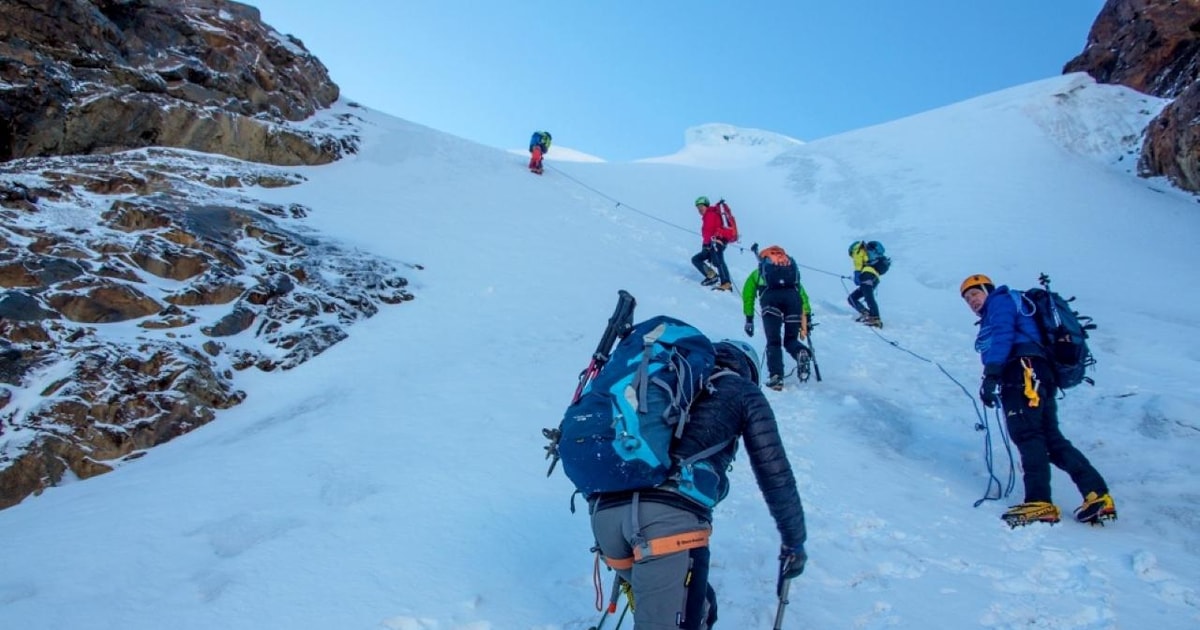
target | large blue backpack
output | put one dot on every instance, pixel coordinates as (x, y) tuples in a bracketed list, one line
[(618, 436)]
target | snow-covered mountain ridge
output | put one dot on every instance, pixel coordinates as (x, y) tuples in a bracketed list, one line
[(397, 480)]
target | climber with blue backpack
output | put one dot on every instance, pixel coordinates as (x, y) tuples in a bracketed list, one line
[(870, 262), (1027, 342), (649, 441), (539, 146)]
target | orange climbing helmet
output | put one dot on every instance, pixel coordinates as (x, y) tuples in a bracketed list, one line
[(976, 280)]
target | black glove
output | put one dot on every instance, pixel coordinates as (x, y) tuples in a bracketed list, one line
[(792, 561), (749, 328), (989, 391)]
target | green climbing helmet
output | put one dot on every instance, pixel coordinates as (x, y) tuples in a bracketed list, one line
[(701, 201)]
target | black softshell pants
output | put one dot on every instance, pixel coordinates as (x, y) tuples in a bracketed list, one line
[(865, 291), (1035, 432), (782, 312), (714, 254)]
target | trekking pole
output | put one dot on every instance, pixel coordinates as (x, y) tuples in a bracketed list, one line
[(619, 325), (782, 586)]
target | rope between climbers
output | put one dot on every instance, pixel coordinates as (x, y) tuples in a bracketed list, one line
[(618, 203), (982, 424)]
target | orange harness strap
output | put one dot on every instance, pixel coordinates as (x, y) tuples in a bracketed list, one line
[(662, 546)]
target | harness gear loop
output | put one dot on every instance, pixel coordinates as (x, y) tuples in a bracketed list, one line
[(1031, 383)]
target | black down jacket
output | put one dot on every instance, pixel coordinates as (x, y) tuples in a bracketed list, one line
[(735, 407)]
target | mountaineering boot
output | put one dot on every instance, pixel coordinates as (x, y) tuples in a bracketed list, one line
[(803, 367), (775, 382), (874, 322), (724, 286), (1031, 512), (1096, 509), (709, 281)]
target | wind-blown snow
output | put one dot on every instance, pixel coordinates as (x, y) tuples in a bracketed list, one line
[(397, 480), (718, 145)]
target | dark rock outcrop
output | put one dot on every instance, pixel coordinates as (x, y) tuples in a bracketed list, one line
[(97, 76), (203, 281), (1153, 46), (105, 225)]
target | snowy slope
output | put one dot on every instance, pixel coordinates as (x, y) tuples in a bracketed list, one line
[(397, 480), (720, 145)]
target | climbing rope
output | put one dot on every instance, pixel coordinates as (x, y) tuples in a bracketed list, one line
[(620, 204), (987, 444), (981, 425)]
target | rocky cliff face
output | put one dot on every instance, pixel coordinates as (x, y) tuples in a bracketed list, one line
[(96, 76), (1154, 46), (138, 279)]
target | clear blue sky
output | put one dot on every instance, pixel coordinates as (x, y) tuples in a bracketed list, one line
[(623, 80)]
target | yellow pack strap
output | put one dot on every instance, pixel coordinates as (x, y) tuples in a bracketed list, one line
[(661, 546), (1031, 384)]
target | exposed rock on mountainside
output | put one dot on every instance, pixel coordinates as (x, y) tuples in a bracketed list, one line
[(138, 278), (1154, 46), (95, 76), (134, 286)]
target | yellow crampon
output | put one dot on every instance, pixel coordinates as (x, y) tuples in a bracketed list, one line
[(1032, 512)]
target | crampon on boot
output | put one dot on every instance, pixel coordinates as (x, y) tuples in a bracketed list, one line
[(775, 382), (1032, 512), (803, 366), (1096, 509)]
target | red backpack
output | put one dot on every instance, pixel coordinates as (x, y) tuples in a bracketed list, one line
[(728, 231)]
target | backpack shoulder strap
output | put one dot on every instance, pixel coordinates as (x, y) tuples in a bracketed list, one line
[(1024, 303), (716, 448)]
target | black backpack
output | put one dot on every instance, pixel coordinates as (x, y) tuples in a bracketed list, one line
[(1064, 334), (876, 257), (777, 270)]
